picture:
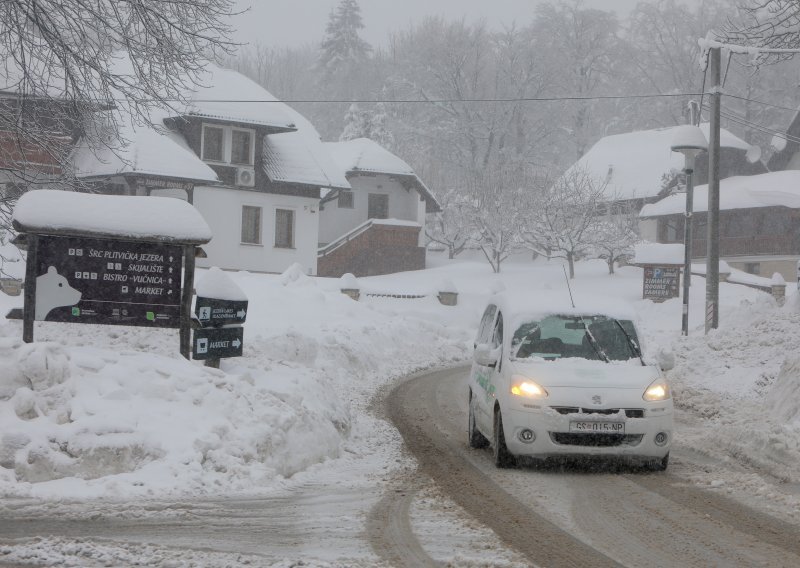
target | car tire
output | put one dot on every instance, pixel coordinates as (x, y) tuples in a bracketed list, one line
[(660, 465), (502, 457), (476, 439)]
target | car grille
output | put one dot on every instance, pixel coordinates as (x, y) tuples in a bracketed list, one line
[(597, 440), (629, 412)]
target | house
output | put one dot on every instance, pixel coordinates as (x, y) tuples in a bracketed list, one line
[(376, 226), (36, 135), (759, 222), (250, 164), (638, 168)]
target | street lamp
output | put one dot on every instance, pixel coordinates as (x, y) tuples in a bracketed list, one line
[(690, 141)]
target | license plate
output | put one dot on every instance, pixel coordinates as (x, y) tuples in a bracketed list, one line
[(598, 427)]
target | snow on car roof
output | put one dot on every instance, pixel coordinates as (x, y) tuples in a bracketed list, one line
[(538, 304)]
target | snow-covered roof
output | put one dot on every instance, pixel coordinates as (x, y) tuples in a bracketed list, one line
[(301, 157), (54, 212), (230, 96), (145, 151), (774, 189), (363, 155), (658, 253), (633, 163)]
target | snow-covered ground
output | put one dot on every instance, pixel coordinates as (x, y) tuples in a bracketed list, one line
[(115, 413)]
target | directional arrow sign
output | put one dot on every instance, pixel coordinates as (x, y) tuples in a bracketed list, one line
[(217, 342), (213, 312)]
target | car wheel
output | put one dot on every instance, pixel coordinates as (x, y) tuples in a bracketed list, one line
[(502, 457), (660, 465), (476, 439)]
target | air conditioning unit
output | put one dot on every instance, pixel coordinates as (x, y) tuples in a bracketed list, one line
[(245, 177)]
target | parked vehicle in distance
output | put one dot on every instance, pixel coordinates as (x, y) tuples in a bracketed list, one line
[(549, 379)]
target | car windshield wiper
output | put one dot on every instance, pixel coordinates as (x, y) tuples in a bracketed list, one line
[(635, 346), (594, 344)]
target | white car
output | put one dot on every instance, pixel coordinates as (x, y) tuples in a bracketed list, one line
[(550, 380)]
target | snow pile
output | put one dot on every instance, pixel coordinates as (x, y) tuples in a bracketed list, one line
[(101, 411)]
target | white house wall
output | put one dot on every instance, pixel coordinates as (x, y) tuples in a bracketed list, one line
[(403, 204), (222, 209)]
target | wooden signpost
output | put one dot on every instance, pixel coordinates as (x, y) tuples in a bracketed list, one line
[(111, 271)]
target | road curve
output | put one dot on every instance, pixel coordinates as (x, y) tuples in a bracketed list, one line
[(580, 518)]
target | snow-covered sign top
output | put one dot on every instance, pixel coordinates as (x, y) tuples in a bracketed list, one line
[(231, 97), (656, 253), (365, 155), (214, 283), (773, 189), (145, 151), (53, 212), (633, 164)]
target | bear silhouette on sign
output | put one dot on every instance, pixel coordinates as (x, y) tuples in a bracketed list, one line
[(53, 291)]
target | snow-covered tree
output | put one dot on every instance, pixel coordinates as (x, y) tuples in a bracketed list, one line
[(343, 48), (563, 221), (379, 127), (452, 226), (615, 233), (496, 218), (357, 124)]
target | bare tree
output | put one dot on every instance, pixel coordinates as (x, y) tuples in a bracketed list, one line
[(496, 217), (615, 233), (452, 226), (62, 60), (563, 222)]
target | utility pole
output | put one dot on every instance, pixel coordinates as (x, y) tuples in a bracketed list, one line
[(712, 262)]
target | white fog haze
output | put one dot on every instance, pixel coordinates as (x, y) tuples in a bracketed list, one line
[(291, 23), (399, 283)]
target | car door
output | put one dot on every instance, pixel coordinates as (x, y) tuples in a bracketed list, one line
[(485, 376)]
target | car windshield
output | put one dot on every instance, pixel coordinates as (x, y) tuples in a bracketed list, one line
[(586, 337)]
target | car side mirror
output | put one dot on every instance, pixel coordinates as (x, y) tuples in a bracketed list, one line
[(665, 359), (486, 355)]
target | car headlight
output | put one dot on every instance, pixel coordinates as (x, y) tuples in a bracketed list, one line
[(658, 390), (523, 386)]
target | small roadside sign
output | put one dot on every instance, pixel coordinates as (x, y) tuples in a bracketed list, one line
[(217, 342), (213, 312), (661, 282)]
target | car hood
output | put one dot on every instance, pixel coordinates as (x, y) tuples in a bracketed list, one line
[(582, 373)]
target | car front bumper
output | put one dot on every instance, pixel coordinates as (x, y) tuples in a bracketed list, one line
[(553, 435)]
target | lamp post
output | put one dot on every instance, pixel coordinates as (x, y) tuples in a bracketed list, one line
[(689, 141)]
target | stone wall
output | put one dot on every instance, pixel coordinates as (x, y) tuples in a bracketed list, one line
[(380, 249)]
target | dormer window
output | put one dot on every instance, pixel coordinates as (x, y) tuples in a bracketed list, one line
[(228, 145)]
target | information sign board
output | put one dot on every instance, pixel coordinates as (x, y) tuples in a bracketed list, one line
[(86, 280), (661, 282), (217, 342), (213, 312)]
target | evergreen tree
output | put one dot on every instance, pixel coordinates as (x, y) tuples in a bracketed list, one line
[(342, 47), (357, 124)]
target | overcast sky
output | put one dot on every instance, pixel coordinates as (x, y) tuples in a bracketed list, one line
[(296, 22)]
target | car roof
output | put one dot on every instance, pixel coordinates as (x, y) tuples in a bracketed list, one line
[(538, 304)]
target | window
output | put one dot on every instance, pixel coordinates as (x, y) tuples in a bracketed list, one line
[(377, 206), (345, 199), (485, 327), (241, 147), (284, 228), (213, 143), (228, 145), (251, 225), (752, 267)]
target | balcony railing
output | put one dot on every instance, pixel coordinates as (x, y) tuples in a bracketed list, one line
[(743, 246)]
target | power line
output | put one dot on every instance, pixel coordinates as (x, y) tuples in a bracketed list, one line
[(402, 101), (762, 103)]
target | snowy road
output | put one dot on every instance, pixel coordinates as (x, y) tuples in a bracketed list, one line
[(350, 513), (579, 518)]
